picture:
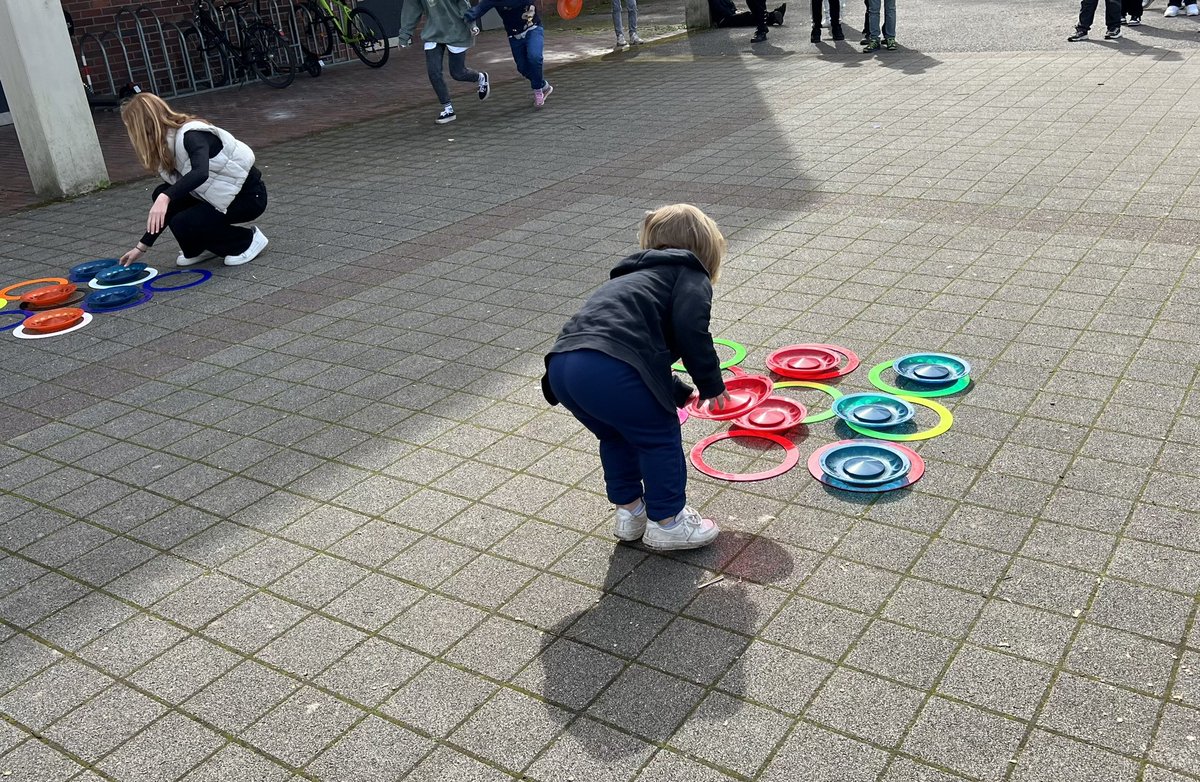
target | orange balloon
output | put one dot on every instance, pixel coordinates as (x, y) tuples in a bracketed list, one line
[(569, 9)]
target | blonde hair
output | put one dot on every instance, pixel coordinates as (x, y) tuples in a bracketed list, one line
[(684, 227), (147, 119)]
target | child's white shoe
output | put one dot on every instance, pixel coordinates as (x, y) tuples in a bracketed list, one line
[(630, 526), (687, 530)]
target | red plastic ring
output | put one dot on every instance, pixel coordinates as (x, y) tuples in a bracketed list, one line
[(791, 456)]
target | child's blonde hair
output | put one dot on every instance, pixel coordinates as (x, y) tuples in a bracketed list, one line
[(684, 227)]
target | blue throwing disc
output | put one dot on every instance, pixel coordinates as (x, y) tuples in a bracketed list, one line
[(86, 272), (122, 275), (876, 411), (865, 463), (931, 368), (111, 298)]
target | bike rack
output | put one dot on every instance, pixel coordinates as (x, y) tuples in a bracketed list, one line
[(89, 68), (185, 69)]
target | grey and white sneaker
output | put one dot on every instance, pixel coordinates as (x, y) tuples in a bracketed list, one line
[(1193, 9), (635, 39), (621, 39), (630, 526), (1112, 34), (183, 260), (257, 245), (686, 531), (1172, 10)]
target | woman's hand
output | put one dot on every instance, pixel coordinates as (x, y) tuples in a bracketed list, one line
[(718, 403), (133, 255), (157, 219)]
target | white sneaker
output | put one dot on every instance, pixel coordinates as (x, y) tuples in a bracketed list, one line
[(257, 245), (621, 39), (1193, 9), (1172, 10), (636, 39), (183, 260), (628, 525), (687, 530)]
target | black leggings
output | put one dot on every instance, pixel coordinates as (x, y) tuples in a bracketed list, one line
[(458, 70), (198, 226), (835, 13)]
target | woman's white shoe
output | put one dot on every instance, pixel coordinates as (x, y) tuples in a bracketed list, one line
[(257, 245)]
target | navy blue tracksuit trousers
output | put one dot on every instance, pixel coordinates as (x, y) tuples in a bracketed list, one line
[(641, 447)]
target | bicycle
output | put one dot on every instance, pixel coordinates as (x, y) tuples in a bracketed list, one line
[(263, 50), (358, 28)]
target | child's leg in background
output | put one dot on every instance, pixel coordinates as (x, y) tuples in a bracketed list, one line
[(640, 440), (1112, 14), (1087, 13), (631, 8), (534, 44), (889, 18), (458, 68), (873, 18), (433, 66), (1132, 8), (522, 60), (618, 25)]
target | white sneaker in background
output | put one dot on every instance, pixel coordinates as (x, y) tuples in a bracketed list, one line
[(630, 526), (257, 245), (183, 260)]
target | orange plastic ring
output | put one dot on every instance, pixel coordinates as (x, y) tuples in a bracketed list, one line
[(5, 293)]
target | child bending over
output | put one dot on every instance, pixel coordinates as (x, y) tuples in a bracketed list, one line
[(611, 367)]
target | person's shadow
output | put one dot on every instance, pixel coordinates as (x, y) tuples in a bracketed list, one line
[(643, 654)]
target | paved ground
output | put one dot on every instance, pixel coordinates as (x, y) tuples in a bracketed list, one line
[(312, 520)]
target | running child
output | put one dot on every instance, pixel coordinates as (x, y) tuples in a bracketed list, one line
[(526, 38), (444, 32)]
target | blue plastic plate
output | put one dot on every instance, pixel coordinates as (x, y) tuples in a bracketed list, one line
[(112, 298), (931, 368), (122, 275), (875, 411), (865, 463), (86, 272)]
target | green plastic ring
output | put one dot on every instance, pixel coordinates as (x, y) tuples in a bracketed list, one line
[(876, 378), (833, 392), (945, 420), (739, 355)]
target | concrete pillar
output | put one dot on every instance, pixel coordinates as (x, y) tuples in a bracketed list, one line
[(45, 95), (695, 14)]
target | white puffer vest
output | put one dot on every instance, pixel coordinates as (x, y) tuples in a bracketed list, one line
[(227, 171)]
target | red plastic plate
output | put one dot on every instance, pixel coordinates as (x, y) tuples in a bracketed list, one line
[(812, 361), (52, 321), (774, 414), (48, 296), (745, 392)]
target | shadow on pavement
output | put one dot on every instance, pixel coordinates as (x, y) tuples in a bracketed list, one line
[(649, 641)]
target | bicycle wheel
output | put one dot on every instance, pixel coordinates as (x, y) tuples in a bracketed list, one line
[(366, 37), (318, 33), (270, 55), (210, 67)]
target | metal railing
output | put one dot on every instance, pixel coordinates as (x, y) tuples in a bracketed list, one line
[(169, 57)]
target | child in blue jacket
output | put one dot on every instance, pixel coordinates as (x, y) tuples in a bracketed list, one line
[(526, 38), (611, 367)]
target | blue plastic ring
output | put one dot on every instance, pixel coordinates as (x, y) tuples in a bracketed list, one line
[(146, 296), (205, 276), (22, 313)]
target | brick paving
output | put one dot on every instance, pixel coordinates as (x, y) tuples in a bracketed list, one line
[(312, 519)]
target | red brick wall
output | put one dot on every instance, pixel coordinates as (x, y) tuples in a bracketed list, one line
[(96, 16)]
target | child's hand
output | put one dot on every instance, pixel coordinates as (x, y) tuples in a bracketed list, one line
[(718, 403)]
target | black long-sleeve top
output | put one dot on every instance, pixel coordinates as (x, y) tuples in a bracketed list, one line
[(201, 147), (654, 309)]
